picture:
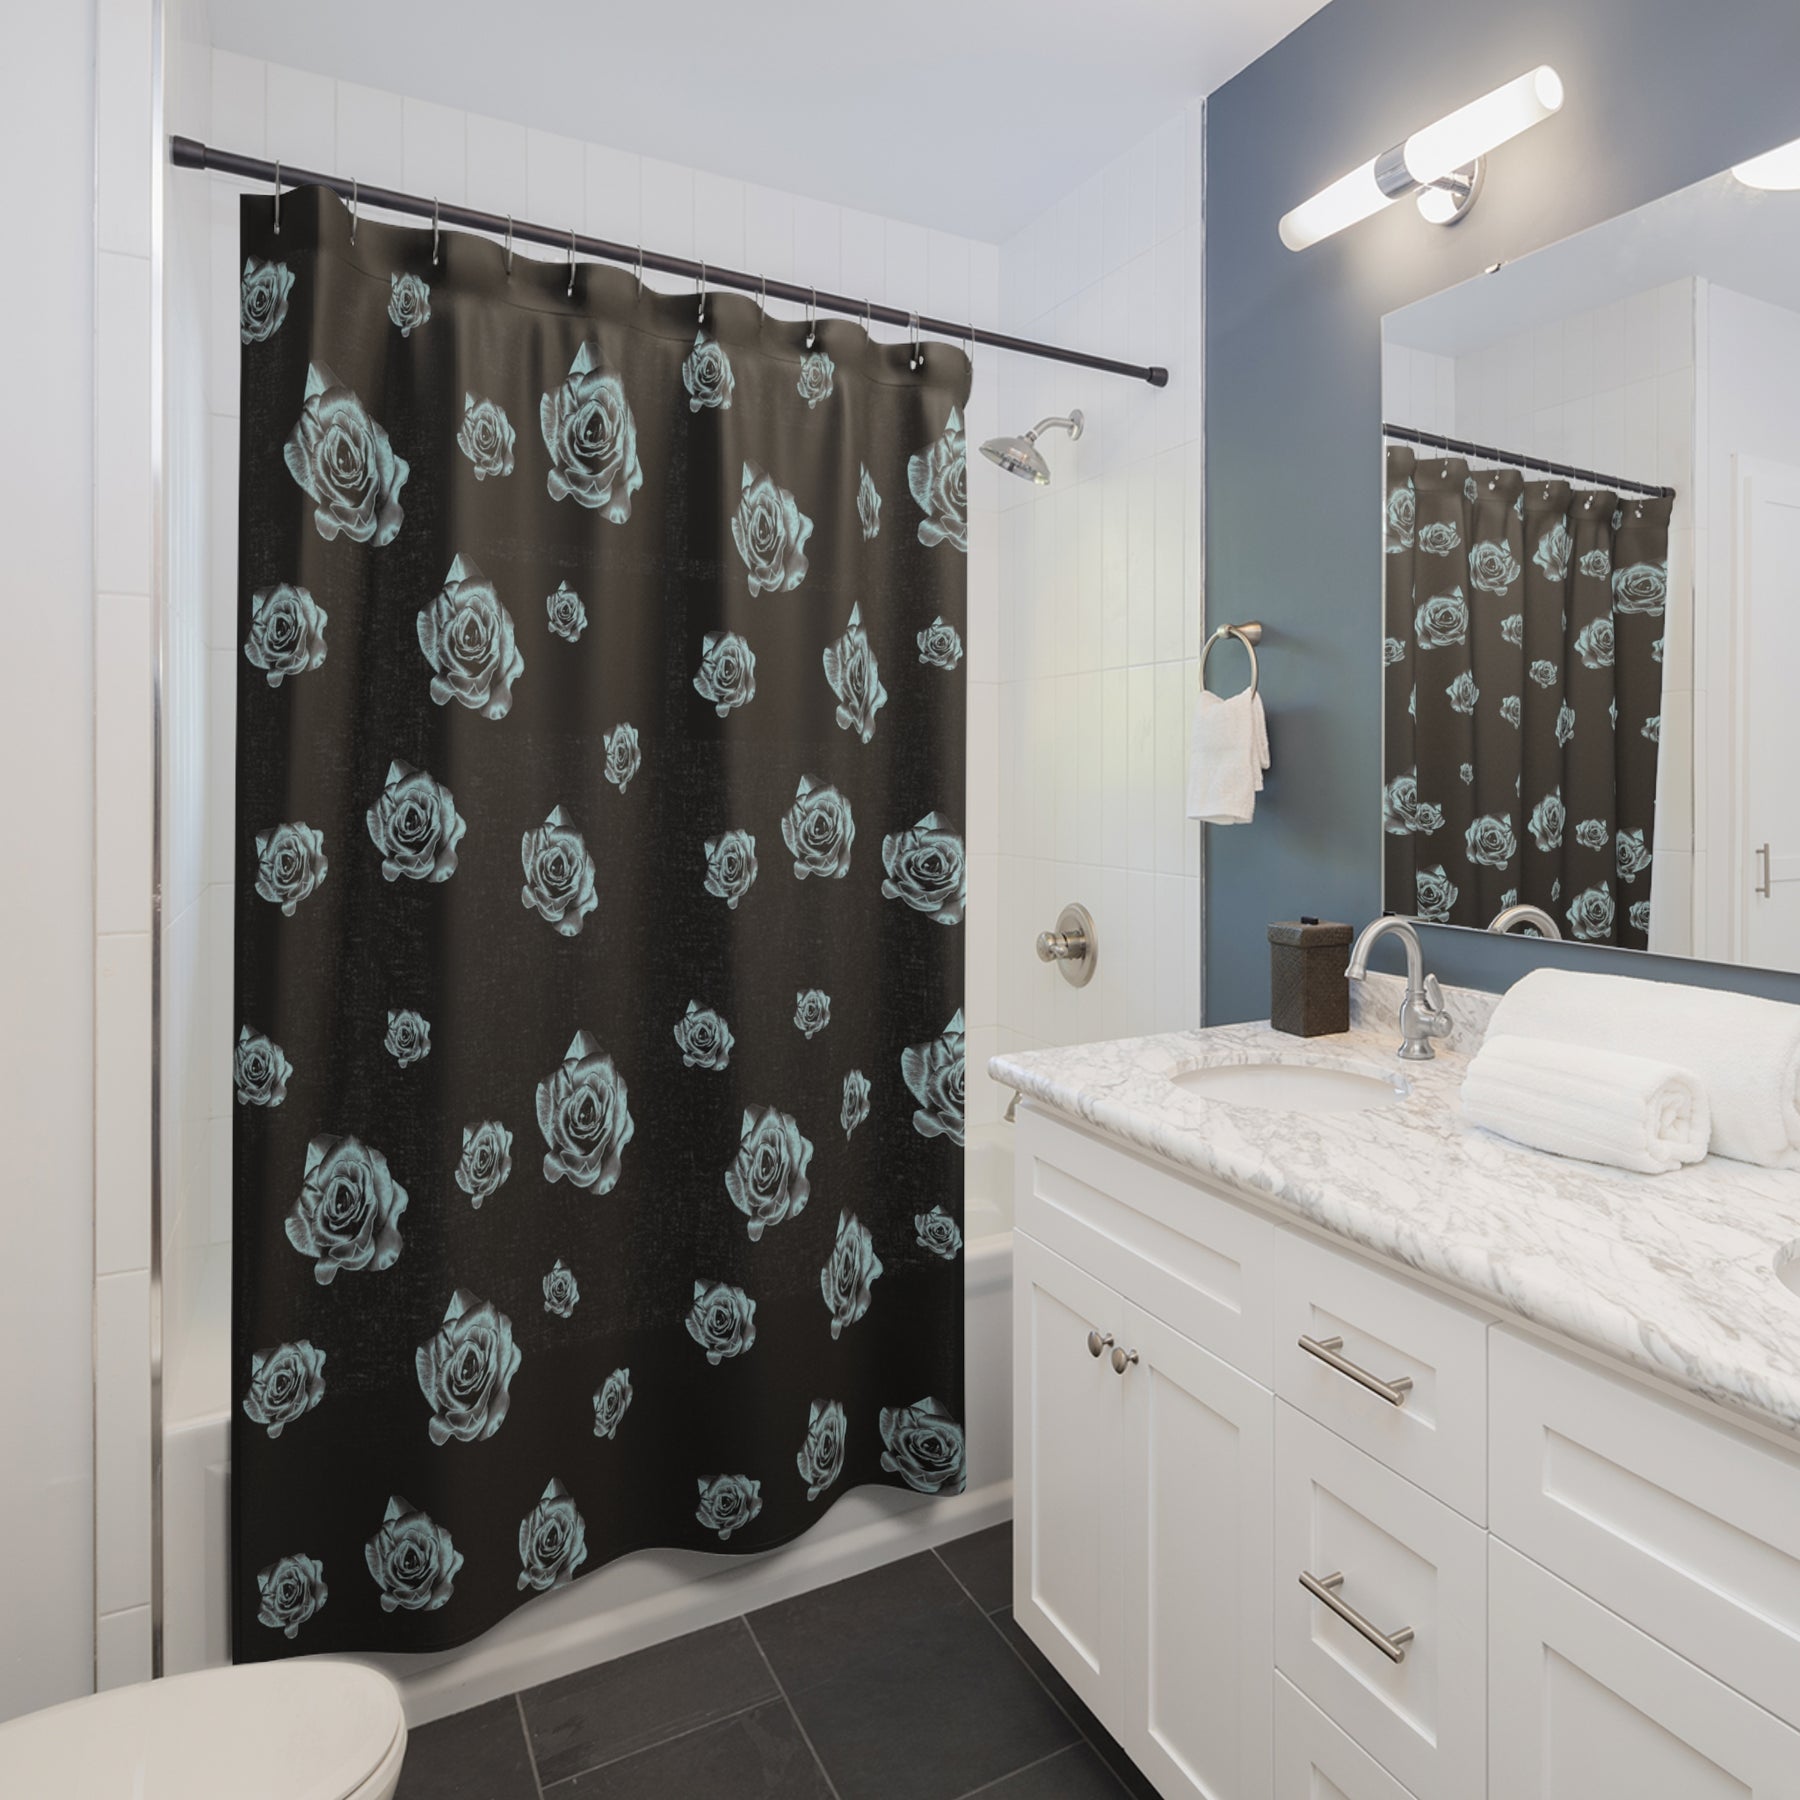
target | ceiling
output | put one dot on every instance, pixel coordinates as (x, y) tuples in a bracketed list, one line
[(968, 115)]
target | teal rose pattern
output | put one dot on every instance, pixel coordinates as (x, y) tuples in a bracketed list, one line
[(1642, 587), (1547, 820), (344, 463), (1393, 650), (815, 383), (1439, 538), (290, 864), (855, 1107), (1490, 841), (727, 675), (722, 1321), (1442, 620), (286, 1383), (287, 632), (1544, 672), (1631, 855), (559, 874), (1402, 512), (1492, 567), (1512, 628), (938, 1233), (730, 866), (486, 1160), (821, 1456), (409, 303), (940, 645), (1590, 914), (934, 1073), (486, 438), (728, 1503), (938, 480), (1640, 916), (413, 1560), (415, 825), (1435, 895), (819, 830), (347, 1216), (583, 1112), (1509, 710), (767, 1179), (1594, 643), (849, 1273), (925, 868), (812, 1012), (1591, 834), (923, 1445), (707, 375), (868, 504), (259, 1070), (408, 1037), (467, 637), (1402, 811), (552, 1542), (263, 299), (854, 677), (1554, 549), (1565, 723), (703, 1038), (1463, 693), (592, 439), (562, 1292), (465, 1370), (623, 758), (770, 532), (290, 1592), (1596, 564), (568, 617), (611, 1399)]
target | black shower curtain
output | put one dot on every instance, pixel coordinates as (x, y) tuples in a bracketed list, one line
[(1523, 656), (599, 955)]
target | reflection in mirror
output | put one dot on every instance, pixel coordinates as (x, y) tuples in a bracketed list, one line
[(1591, 637)]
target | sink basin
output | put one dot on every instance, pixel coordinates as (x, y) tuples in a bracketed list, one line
[(1293, 1087)]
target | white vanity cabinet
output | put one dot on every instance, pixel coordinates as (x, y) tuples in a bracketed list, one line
[(1554, 1582)]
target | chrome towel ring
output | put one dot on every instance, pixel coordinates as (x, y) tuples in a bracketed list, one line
[(1249, 634)]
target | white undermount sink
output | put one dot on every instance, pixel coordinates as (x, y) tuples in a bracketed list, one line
[(1313, 1088)]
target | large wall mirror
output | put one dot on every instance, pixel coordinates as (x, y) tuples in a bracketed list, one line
[(1591, 630)]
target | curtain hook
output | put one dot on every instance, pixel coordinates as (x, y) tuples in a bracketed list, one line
[(353, 198), (434, 231), (812, 319), (868, 319), (509, 246), (701, 291), (969, 345), (278, 196), (917, 360), (571, 293), (762, 295), (640, 268)]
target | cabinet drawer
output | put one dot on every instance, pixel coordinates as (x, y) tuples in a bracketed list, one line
[(1196, 1260), (1315, 1761), (1406, 1561), (1427, 1353), (1687, 1528)]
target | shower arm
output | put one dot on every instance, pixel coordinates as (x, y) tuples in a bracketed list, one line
[(1073, 425)]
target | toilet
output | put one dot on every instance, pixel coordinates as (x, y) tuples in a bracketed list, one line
[(279, 1731)]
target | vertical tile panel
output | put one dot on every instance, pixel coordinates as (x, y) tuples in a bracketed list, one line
[(122, 1117), (122, 449), (239, 102), (122, 1441), (555, 178), (614, 207), (434, 150), (124, 735), (122, 136), (497, 164), (302, 118), (371, 135)]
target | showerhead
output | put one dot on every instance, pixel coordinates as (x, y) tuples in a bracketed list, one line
[(1021, 456)]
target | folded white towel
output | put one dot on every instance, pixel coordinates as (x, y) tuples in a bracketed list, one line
[(1600, 1105), (1226, 758), (1746, 1051)]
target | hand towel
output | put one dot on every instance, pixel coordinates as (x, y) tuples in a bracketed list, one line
[(1746, 1051), (1226, 758), (1601, 1105)]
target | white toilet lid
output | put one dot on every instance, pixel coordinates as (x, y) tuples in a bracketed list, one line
[(298, 1730)]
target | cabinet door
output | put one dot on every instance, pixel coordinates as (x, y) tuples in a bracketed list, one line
[(1316, 1761), (1198, 1523), (1583, 1706), (1068, 1548)]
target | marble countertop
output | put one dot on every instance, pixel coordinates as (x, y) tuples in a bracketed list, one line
[(1671, 1273)]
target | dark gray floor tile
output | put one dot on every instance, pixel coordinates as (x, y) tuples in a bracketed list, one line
[(1073, 1774), (476, 1755), (982, 1562), (758, 1755), (619, 1707), (905, 1688)]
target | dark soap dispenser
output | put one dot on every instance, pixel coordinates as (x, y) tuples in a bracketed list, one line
[(1309, 993)]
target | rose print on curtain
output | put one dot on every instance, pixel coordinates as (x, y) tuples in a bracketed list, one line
[(598, 1027), (1523, 666)]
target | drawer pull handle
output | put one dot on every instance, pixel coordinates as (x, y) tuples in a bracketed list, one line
[(1329, 1352), (1391, 1644), (1098, 1344), (1122, 1360)]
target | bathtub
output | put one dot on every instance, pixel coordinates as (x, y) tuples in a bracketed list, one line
[(656, 1594)]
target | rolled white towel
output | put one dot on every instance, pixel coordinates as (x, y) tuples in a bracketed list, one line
[(1601, 1105), (1745, 1050)]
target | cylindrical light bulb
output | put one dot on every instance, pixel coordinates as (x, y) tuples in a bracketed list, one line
[(1776, 170), (1350, 198), (1473, 130)]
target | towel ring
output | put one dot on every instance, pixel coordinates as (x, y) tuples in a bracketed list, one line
[(1249, 635)]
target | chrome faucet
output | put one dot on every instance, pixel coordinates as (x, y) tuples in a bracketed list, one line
[(1422, 1013), (1523, 914)]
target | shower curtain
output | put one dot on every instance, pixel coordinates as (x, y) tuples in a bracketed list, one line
[(1523, 656), (599, 951)]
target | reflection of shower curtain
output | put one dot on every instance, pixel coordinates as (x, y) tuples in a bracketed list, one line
[(1524, 697), (599, 951)]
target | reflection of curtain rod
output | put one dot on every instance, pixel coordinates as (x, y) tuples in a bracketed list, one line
[(1406, 435), (189, 153)]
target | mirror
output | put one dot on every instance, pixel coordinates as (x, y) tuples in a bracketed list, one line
[(1591, 574)]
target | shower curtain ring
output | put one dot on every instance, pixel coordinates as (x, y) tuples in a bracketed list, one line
[(868, 319), (812, 319), (762, 295), (354, 191), (278, 196), (434, 231), (571, 293), (509, 246), (917, 360), (701, 291), (640, 268)]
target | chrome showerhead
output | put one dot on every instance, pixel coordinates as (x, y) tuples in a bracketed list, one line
[(1021, 456)]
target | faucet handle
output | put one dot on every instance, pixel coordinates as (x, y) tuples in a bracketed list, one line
[(1434, 995)]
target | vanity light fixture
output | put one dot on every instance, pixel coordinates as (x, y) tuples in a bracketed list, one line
[(1777, 171), (1442, 164)]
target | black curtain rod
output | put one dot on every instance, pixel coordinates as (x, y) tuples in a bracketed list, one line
[(1406, 435), (190, 153)]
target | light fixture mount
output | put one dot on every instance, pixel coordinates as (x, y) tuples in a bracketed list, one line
[(1447, 200)]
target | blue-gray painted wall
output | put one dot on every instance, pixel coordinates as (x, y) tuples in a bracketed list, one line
[(1660, 93)]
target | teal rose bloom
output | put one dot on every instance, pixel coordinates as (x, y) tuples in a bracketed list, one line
[(465, 1370), (934, 1073), (413, 1560), (1547, 820), (1438, 538), (1554, 549), (849, 1273), (1640, 588), (1435, 895), (345, 464), (940, 645), (821, 1457), (486, 437), (767, 1180), (552, 1541), (286, 1383), (1492, 566), (1590, 914), (611, 1399), (1594, 643), (926, 868), (722, 1321), (583, 1113), (408, 1037), (703, 1038), (924, 1447), (348, 1212), (1590, 834), (1544, 672), (1509, 710), (855, 1107), (1596, 564), (592, 439), (868, 504), (259, 1070), (1631, 855), (415, 825), (562, 1292), (819, 829), (287, 632), (1489, 841), (409, 302), (486, 1160), (815, 383), (568, 617), (559, 874), (727, 675), (1565, 721), (1442, 620), (812, 1012), (263, 300), (938, 478), (290, 864), (938, 1233), (707, 375), (854, 677), (1640, 916), (1402, 510), (1463, 693), (290, 1592), (770, 532), (623, 758), (728, 1503), (730, 866), (468, 640)]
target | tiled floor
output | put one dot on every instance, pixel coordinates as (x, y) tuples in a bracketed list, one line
[(909, 1683)]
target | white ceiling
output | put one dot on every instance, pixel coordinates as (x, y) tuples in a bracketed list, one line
[(968, 115)]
